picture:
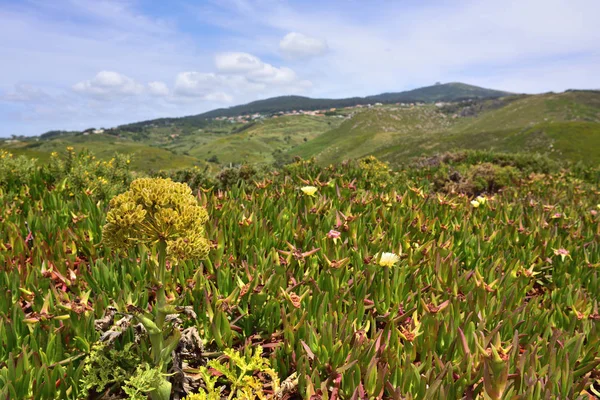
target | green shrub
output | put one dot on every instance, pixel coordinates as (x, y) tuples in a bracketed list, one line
[(14, 171), (475, 179), (195, 177), (230, 177), (75, 173)]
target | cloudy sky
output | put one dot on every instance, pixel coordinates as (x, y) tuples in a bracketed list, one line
[(74, 64)]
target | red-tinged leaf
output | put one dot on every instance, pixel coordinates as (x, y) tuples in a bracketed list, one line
[(271, 345), (463, 341), (309, 352), (310, 252)]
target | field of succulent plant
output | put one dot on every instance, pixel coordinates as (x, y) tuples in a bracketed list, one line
[(350, 281)]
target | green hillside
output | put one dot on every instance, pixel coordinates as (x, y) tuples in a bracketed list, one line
[(143, 156), (564, 126), (258, 142), (371, 131)]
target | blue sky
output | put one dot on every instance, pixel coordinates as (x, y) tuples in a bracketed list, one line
[(74, 64)]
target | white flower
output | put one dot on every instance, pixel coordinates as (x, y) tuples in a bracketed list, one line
[(481, 199), (309, 190), (388, 259), (475, 203)]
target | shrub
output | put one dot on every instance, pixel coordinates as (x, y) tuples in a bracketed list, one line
[(14, 171), (475, 179), (195, 177), (230, 177), (82, 172), (374, 172)]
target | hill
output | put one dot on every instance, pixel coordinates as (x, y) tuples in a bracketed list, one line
[(256, 142), (440, 92), (447, 92), (564, 126)]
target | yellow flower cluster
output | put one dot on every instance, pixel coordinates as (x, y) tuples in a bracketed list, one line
[(378, 172), (155, 211)]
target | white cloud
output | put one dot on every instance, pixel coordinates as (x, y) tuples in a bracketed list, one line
[(239, 75), (296, 45), (25, 93), (197, 84), (235, 62), (158, 88), (344, 47), (219, 97), (107, 84), (257, 72), (394, 46)]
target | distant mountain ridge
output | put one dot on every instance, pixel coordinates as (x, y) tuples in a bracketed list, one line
[(446, 92)]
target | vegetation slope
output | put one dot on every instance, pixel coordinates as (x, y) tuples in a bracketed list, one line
[(563, 126)]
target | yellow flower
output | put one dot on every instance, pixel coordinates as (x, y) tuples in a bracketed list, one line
[(54, 154), (70, 148), (157, 211), (388, 259), (309, 190), (475, 203), (481, 199)]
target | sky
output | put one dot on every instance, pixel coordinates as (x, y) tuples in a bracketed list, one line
[(76, 64)]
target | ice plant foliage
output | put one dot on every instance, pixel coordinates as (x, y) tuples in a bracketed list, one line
[(296, 298), (155, 211)]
